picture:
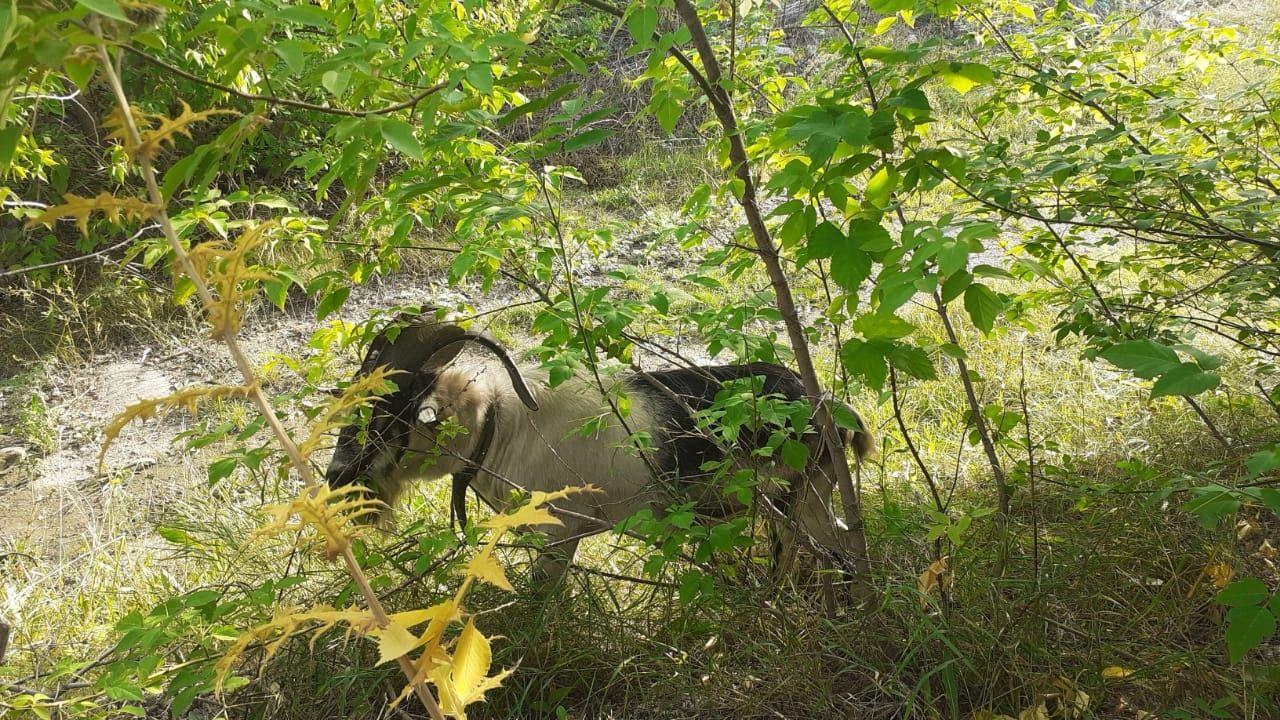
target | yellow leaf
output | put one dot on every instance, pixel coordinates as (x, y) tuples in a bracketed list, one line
[(187, 398), (1075, 702), (394, 640), (1267, 551), (1220, 574), (331, 512), (931, 578), (78, 207), (488, 569), (883, 26), (988, 715), (908, 17), (465, 679), (1115, 672), (153, 139), (1244, 529), (1039, 712), (532, 513)]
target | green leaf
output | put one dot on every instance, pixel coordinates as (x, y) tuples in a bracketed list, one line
[(79, 71), (332, 302), (881, 186), (399, 134), (825, 240), (642, 23), (335, 81), (866, 360), (795, 454), (1247, 628), (883, 327), (200, 598), (954, 285), (953, 256), (221, 468), (303, 15), (587, 139), (1245, 591), (1210, 504), (983, 306), (913, 361), (963, 77), (850, 267), (886, 7), (1185, 379), (106, 8), (1144, 358), (480, 75), (869, 236), (292, 53), (8, 143)]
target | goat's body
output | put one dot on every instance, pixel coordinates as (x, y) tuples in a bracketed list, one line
[(546, 449), (528, 435)]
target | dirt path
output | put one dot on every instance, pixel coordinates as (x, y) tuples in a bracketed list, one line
[(56, 501)]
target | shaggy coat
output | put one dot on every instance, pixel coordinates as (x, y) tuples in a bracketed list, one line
[(499, 427)]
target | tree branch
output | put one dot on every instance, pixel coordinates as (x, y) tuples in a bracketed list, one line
[(287, 102)]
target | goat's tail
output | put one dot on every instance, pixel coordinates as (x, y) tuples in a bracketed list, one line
[(862, 441)]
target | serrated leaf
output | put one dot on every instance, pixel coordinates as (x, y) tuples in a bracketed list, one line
[(399, 134), (873, 326), (336, 81), (394, 640), (303, 14), (488, 569), (866, 360), (219, 469), (886, 7), (480, 75), (1145, 358), (79, 71), (1185, 379), (200, 598), (292, 53), (983, 306), (1247, 627)]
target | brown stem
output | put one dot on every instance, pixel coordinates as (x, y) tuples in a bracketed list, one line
[(911, 445), (246, 368), (740, 167), (975, 409)]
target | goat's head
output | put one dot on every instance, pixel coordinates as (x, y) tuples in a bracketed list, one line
[(429, 393)]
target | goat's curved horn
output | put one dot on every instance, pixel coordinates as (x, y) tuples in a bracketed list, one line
[(440, 351)]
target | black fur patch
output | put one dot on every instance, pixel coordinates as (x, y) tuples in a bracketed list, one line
[(687, 449)]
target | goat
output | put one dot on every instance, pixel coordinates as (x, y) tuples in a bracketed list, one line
[(520, 431)]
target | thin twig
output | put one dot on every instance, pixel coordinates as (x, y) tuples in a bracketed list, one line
[(78, 258), (287, 102)]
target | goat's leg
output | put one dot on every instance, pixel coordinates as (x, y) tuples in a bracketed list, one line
[(554, 559), (815, 515)]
